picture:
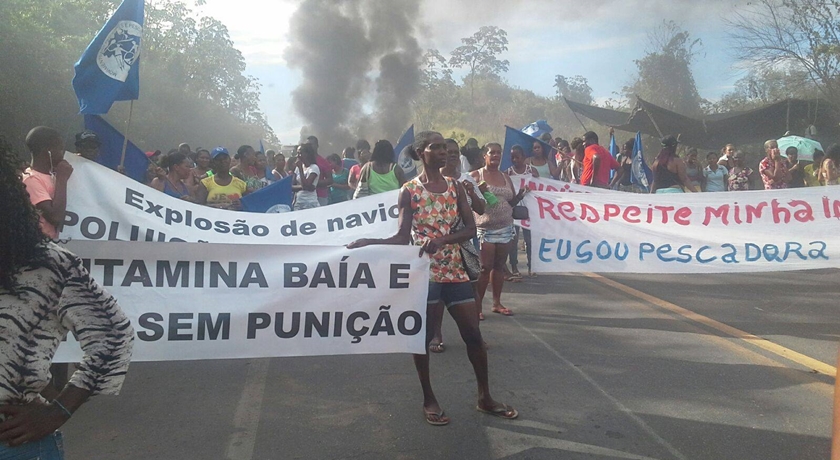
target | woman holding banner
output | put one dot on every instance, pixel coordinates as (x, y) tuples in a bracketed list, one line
[(45, 292), (430, 206)]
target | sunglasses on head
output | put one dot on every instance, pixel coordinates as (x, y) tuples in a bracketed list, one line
[(441, 145)]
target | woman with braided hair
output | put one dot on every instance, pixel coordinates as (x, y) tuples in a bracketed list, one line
[(45, 292)]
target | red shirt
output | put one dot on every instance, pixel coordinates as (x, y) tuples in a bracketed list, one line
[(602, 176), (326, 168)]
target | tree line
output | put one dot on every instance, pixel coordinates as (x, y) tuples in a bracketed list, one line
[(192, 82)]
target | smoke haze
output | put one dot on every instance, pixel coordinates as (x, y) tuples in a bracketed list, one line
[(337, 46)]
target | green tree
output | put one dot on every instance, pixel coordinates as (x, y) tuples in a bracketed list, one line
[(193, 86), (574, 89), (802, 33), (759, 88), (479, 54), (664, 74)]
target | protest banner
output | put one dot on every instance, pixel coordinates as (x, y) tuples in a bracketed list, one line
[(721, 232), (188, 302), (105, 205)]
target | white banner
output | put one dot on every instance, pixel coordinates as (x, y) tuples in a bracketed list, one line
[(551, 185), (196, 301), (105, 205), (777, 230)]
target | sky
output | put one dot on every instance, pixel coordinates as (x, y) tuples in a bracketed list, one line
[(598, 39)]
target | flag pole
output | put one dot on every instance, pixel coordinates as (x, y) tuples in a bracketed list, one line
[(125, 138)]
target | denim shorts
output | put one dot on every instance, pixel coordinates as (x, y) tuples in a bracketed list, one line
[(451, 294), (50, 447)]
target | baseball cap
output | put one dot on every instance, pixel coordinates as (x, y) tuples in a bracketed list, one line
[(219, 151), (670, 141), (87, 137)]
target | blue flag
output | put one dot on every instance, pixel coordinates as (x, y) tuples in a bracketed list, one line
[(109, 69), (267, 197), (614, 152), (262, 149), (537, 128), (110, 151), (403, 159), (516, 137), (640, 173)]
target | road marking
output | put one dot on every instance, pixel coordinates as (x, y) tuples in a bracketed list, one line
[(624, 409), (507, 443), (755, 340), (246, 419)]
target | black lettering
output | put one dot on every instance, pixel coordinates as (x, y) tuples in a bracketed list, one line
[(147, 321), (176, 325)]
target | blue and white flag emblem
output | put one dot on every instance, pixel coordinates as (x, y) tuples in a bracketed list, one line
[(109, 69)]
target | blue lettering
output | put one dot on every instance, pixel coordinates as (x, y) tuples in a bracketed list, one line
[(586, 256), (685, 258), (617, 251), (605, 245), (818, 253), (750, 257), (729, 257), (544, 249), (795, 248), (645, 248), (560, 254), (700, 255), (662, 250), (771, 253)]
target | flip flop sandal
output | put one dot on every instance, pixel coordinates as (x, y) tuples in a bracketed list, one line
[(441, 420), (437, 348), (503, 411), (502, 311), (481, 316)]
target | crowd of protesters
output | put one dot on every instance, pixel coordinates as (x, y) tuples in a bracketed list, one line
[(456, 204)]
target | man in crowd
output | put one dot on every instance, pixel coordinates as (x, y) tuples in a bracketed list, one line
[(46, 178), (773, 168), (348, 158), (796, 169), (325, 179), (597, 163), (87, 145)]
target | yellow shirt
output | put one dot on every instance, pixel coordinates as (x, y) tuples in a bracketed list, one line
[(223, 194), (811, 179)]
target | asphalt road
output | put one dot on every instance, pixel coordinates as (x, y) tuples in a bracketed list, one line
[(650, 368)]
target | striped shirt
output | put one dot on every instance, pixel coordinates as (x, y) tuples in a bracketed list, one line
[(50, 300)]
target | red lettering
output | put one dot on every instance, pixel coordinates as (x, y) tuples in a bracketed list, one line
[(780, 213), (611, 210), (586, 210), (806, 214), (754, 212), (630, 214), (682, 215), (665, 210), (721, 213), (546, 206), (566, 207)]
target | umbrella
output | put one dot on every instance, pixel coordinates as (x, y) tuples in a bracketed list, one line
[(804, 145)]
